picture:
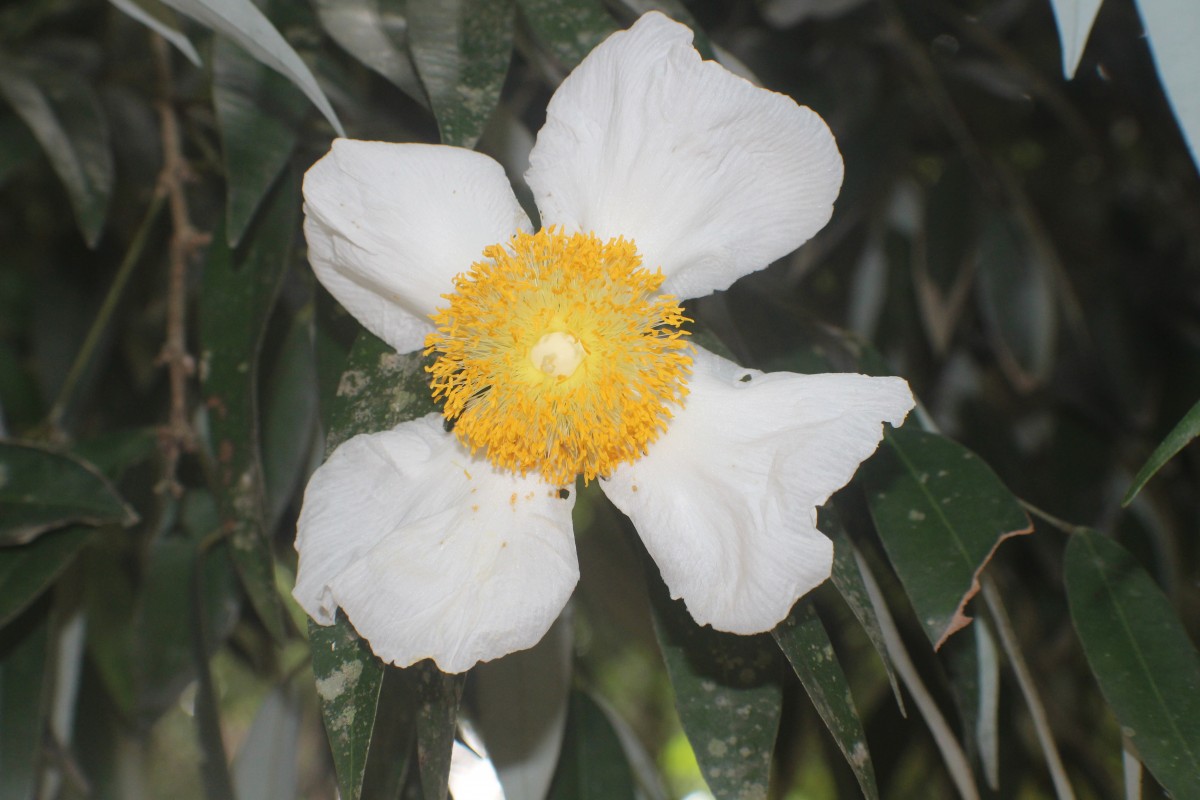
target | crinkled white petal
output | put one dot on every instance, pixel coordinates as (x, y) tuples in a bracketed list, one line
[(710, 176), (726, 500), (390, 225), (433, 554)]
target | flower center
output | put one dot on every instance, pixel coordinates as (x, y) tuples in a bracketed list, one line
[(557, 354)]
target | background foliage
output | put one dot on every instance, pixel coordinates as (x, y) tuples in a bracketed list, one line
[(1024, 248)]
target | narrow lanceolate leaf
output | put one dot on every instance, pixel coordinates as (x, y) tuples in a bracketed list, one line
[(1074, 19), (803, 639), (728, 691), (237, 295), (160, 19), (462, 50), (163, 655), (41, 490), (593, 764), (1187, 429), (378, 390), (258, 115), (1147, 668), (65, 116), (569, 28), (376, 33), (29, 570), (290, 416), (437, 718), (848, 580), (348, 679), (241, 21), (941, 513), (24, 702), (1173, 28), (1016, 294)]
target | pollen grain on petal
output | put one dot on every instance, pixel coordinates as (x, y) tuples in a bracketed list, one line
[(557, 354)]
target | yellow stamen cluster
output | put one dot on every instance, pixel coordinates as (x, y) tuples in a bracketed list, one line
[(556, 354)]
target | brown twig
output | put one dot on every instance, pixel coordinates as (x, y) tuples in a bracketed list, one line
[(176, 436)]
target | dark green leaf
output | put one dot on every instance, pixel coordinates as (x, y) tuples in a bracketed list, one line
[(237, 296), (290, 422), (25, 682), (348, 679), (164, 655), (1187, 429), (389, 757), (379, 389), (849, 582), (65, 115), (27, 571), (593, 764), (376, 33), (462, 50), (1016, 291), (241, 21), (803, 639), (41, 490), (17, 146), (116, 451), (218, 783), (258, 114), (1147, 668), (973, 669), (941, 513), (437, 719), (570, 28), (728, 690), (160, 19)]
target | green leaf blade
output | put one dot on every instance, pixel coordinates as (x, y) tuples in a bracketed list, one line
[(729, 694), (1147, 668), (241, 21), (1184, 431), (941, 513), (41, 490), (593, 765), (569, 28), (462, 50), (25, 686), (259, 114), (237, 296), (29, 570), (65, 117), (805, 643), (376, 33), (348, 679)]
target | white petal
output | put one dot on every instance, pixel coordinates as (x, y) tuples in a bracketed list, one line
[(390, 225), (710, 176), (430, 553), (726, 501)]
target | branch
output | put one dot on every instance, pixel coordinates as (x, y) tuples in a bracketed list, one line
[(177, 436)]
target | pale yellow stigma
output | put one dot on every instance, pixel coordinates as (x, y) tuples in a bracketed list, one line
[(557, 354)]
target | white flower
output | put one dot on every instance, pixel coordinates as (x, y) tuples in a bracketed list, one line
[(558, 355)]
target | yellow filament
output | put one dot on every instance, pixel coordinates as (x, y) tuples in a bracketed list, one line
[(556, 354)]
